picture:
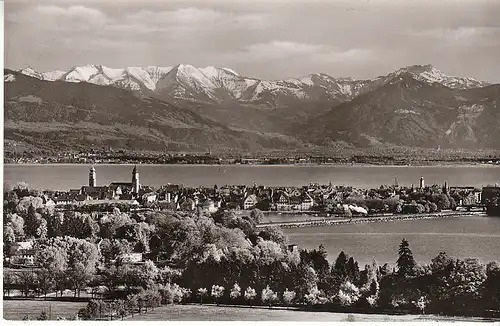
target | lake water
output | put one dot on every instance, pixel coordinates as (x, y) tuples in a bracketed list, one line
[(462, 237), (64, 177), (468, 236)]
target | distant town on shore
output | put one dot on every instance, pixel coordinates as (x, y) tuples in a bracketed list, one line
[(377, 156)]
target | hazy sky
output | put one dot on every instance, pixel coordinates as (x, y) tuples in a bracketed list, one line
[(266, 39)]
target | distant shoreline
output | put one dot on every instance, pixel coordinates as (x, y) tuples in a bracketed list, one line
[(441, 164)]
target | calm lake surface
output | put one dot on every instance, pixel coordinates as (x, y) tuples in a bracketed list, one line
[(468, 236), (462, 237), (67, 176)]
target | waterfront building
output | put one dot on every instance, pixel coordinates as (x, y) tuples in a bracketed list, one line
[(250, 202)]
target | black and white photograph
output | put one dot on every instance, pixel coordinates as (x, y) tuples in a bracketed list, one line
[(250, 160)]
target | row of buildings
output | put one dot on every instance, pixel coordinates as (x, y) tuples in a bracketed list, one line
[(180, 197), (244, 197)]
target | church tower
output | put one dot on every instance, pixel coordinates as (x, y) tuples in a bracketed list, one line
[(446, 188), (92, 177), (135, 181)]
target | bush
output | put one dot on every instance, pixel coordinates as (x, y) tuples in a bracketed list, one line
[(250, 294), (43, 316), (235, 292), (269, 296)]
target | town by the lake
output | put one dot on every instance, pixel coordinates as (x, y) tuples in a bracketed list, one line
[(140, 246)]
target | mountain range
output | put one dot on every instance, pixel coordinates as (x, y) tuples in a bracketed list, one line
[(412, 106)]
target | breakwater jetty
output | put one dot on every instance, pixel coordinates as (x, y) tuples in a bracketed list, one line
[(358, 220)]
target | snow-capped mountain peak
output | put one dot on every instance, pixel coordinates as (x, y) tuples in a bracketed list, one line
[(215, 85), (28, 71), (429, 74)]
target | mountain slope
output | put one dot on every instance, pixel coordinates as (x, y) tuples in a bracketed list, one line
[(407, 111), (412, 106), (61, 115)]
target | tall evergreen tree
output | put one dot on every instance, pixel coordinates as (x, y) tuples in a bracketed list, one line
[(352, 270), (406, 263)]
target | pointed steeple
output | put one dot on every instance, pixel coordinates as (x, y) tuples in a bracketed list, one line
[(135, 180), (92, 177)]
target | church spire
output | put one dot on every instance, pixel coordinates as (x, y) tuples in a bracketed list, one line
[(135, 180), (92, 177)]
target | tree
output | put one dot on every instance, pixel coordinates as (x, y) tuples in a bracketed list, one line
[(43, 316), (453, 203), (491, 287), (406, 263), (348, 294), (10, 279), (288, 297), (384, 270), (269, 296), (421, 304), (433, 207), (147, 274), (132, 303), (442, 201), (25, 203), (9, 239), (55, 225), (273, 233), (315, 296), (256, 215), (91, 310), (83, 257), (17, 223), (41, 230), (217, 292), (27, 281), (352, 270), (112, 249), (318, 260), (32, 219), (53, 259), (45, 280), (202, 292), (459, 286), (250, 295), (235, 292)]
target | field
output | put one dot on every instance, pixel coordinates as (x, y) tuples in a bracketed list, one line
[(227, 313), (17, 309)]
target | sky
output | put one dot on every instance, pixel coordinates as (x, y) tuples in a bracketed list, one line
[(272, 39)]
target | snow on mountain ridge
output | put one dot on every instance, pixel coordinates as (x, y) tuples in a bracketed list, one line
[(214, 84), (78, 74), (429, 74), (53, 75), (28, 71)]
